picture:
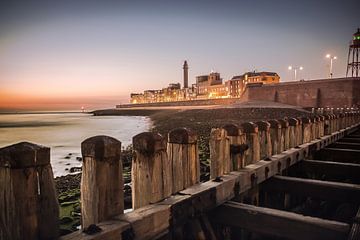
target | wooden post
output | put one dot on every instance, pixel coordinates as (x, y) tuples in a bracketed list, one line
[(28, 203), (299, 132), (332, 123), (284, 134), (327, 124), (321, 125), (252, 139), (342, 123), (151, 172), (312, 127), (337, 122), (238, 146), (293, 123), (220, 161), (306, 129), (102, 195), (265, 139), (275, 135), (182, 150)]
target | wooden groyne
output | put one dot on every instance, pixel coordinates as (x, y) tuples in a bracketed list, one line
[(169, 202)]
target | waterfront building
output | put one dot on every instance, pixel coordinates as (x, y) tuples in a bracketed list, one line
[(206, 87)]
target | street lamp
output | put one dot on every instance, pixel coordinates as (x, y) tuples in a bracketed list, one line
[(331, 63), (295, 70)]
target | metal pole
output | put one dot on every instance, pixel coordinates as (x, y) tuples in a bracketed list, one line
[(331, 66), (295, 73)]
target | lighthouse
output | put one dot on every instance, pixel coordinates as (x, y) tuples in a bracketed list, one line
[(186, 74)]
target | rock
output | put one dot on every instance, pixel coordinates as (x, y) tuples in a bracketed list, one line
[(66, 220), (75, 169)]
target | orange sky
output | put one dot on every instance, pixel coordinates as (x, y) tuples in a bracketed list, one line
[(15, 101)]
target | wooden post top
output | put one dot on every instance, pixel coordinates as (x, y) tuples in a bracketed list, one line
[(328, 116), (321, 117), (313, 119), (263, 126), (101, 148), (149, 143), (232, 129), (182, 136), (284, 123), (293, 121), (299, 120), (250, 127), (274, 123), (24, 155)]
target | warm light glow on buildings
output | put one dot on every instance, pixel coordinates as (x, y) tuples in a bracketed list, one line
[(206, 87)]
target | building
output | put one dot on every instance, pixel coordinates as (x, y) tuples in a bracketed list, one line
[(186, 74), (206, 87), (237, 84), (207, 83), (264, 77)]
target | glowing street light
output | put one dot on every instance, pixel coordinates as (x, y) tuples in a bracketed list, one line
[(331, 63), (295, 70)]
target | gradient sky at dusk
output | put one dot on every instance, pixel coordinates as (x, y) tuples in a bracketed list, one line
[(65, 54)]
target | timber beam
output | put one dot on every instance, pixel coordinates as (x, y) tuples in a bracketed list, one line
[(328, 170), (355, 228), (335, 191), (350, 139), (345, 145), (278, 223), (339, 155)]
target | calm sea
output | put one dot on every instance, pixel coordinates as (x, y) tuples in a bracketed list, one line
[(64, 132)]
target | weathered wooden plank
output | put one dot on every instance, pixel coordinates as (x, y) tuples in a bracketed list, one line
[(238, 146), (339, 155), (278, 223), (183, 154), (220, 161), (252, 140), (355, 136), (151, 172), (355, 228), (349, 139), (28, 203), (329, 170), (275, 135), (345, 145), (110, 230), (264, 139), (342, 192), (148, 222), (144, 223), (102, 194)]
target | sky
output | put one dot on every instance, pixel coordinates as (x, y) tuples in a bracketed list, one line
[(62, 55)]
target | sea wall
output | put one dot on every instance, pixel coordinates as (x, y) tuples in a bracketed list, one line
[(339, 92), (202, 102)]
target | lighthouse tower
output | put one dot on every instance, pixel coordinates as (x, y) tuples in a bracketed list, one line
[(353, 66), (186, 74)]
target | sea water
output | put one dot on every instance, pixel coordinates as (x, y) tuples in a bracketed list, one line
[(64, 132)]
